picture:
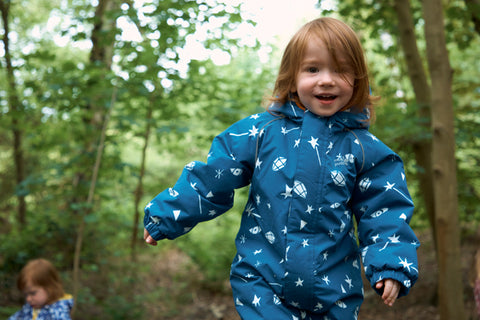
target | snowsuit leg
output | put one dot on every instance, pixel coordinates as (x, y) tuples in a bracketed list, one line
[(347, 311), (255, 299)]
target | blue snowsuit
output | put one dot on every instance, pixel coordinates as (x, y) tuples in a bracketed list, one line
[(310, 178)]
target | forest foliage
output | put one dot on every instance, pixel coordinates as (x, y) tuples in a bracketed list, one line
[(160, 110)]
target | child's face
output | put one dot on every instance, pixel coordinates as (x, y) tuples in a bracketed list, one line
[(321, 87), (35, 296)]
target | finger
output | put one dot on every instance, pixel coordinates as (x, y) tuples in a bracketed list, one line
[(151, 241), (379, 285), (395, 292), (387, 289), (391, 292), (148, 239)]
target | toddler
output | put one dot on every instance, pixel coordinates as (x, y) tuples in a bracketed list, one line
[(314, 171), (40, 282)]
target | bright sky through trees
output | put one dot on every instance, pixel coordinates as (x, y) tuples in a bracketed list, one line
[(276, 20)]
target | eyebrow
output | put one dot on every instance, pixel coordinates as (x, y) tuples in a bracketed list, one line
[(340, 62)]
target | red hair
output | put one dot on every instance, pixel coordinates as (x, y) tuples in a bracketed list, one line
[(41, 273), (339, 38)]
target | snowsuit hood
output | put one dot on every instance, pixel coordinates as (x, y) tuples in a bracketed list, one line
[(345, 119)]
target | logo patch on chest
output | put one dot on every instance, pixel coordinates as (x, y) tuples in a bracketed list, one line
[(344, 160)]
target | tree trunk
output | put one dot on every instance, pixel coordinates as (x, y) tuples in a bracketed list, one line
[(96, 119), (139, 189), (16, 112), (450, 290), (418, 78)]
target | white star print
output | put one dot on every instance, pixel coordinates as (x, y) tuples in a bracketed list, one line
[(148, 205), (295, 304), (405, 264), (256, 301), (288, 192), (309, 209), (313, 142), (299, 283), (373, 137), (375, 238), (254, 116), (349, 281), (305, 243), (219, 173), (253, 131), (258, 163), (330, 146), (297, 143), (155, 220), (326, 280), (250, 211), (389, 186), (394, 238)]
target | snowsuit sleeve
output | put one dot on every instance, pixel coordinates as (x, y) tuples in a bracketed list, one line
[(204, 190), (383, 209)]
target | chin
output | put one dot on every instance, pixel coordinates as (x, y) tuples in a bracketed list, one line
[(323, 113)]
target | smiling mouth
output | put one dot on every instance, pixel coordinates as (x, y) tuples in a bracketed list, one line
[(326, 97)]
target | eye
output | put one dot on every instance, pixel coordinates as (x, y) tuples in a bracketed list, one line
[(344, 69), (312, 69)]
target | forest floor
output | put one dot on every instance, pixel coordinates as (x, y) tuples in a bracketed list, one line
[(170, 287), (190, 300)]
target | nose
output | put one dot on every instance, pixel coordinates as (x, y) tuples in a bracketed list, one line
[(326, 78)]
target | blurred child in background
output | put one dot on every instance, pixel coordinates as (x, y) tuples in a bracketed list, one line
[(44, 295)]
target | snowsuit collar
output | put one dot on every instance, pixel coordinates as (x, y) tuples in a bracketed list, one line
[(342, 120)]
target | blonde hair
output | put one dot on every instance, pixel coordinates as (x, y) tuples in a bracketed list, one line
[(338, 37), (41, 273)]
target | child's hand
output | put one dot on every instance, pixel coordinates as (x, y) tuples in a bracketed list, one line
[(391, 289), (148, 238)]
